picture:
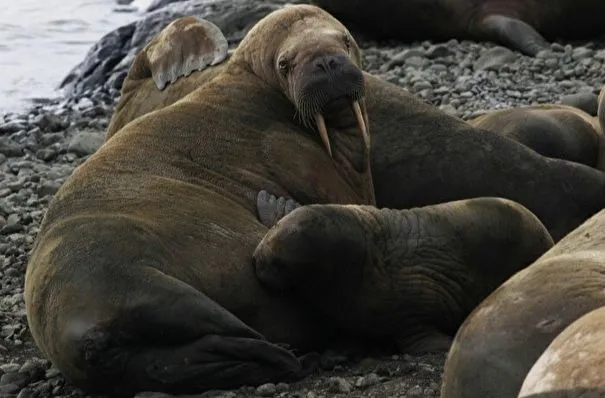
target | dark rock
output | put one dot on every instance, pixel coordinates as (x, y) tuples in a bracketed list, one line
[(6, 389), (48, 122), (12, 127), (9, 148), (157, 4), (46, 154), (17, 379)]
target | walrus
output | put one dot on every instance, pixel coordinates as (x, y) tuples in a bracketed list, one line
[(500, 341), (572, 365), (419, 154), (437, 263), (141, 276), (552, 130), (523, 25)]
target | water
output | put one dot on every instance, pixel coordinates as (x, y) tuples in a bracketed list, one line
[(40, 41)]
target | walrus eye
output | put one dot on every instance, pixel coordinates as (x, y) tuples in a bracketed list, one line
[(347, 40), (283, 66)]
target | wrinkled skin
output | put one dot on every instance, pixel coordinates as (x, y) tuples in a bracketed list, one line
[(141, 277), (417, 273), (523, 25), (504, 336), (556, 131)]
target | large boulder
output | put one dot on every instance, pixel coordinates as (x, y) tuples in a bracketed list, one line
[(107, 62)]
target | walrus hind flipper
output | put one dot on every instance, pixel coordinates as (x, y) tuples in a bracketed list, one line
[(212, 362), (180, 341), (513, 33), (271, 208), (187, 44)]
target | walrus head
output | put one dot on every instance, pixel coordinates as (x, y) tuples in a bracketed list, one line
[(312, 58)]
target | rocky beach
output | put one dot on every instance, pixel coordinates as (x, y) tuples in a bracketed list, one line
[(40, 148)]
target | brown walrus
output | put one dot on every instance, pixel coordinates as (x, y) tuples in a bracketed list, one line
[(573, 364), (430, 265), (141, 277), (504, 336), (523, 25), (552, 130), (421, 156)]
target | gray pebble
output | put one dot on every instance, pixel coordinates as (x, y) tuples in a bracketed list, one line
[(9, 388), (582, 53), (438, 51), (49, 122), (266, 390), (367, 381), (495, 58), (85, 143), (339, 385), (18, 379), (48, 188), (415, 391)]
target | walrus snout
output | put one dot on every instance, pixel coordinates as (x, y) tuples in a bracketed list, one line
[(329, 63), (328, 84)]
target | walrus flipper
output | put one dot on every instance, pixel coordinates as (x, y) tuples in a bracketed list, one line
[(513, 33), (187, 44), (166, 336), (271, 208)]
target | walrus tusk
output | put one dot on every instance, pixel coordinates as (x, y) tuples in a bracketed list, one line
[(362, 124), (323, 131)]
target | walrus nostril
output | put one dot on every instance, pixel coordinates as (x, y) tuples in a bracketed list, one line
[(327, 63)]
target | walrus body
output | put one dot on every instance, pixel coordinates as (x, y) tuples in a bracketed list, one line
[(523, 25), (141, 278), (421, 156), (434, 266), (573, 364), (555, 131), (505, 335)]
